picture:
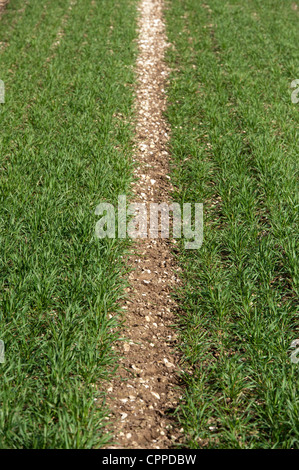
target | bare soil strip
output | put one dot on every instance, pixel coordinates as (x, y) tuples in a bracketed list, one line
[(146, 388)]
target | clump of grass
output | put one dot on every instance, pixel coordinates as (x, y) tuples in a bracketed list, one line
[(234, 144), (65, 141)]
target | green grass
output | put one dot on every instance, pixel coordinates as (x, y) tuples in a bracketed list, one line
[(65, 143), (235, 148)]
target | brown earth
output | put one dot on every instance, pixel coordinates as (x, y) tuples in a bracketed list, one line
[(146, 388)]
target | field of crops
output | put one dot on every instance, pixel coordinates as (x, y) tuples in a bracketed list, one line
[(67, 67), (67, 143), (235, 147)]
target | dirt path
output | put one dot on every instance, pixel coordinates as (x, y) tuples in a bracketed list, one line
[(147, 386)]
